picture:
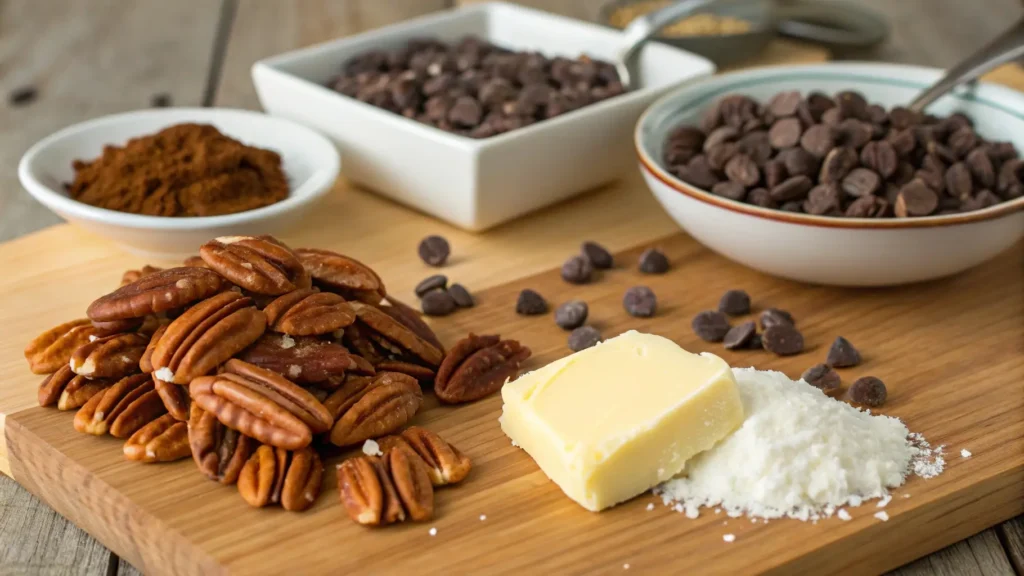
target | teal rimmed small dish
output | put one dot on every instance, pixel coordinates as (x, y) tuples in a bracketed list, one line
[(828, 250)]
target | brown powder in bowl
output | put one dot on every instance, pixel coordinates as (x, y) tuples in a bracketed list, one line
[(183, 170)]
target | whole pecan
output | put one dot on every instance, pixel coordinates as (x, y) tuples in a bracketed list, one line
[(278, 476), (121, 409), (162, 440), (261, 404), (158, 292), (411, 318), (304, 359), (134, 275), (110, 357), (374, 322), (175, 398), (341, 274), (376, 491), (444, 463), (260, 264), (68, 390), (366, 410), (206, 336), (53, 348), (478, 366), (219, 451), (307, 312)]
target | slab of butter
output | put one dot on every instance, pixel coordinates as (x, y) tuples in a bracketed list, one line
[(612, 421)]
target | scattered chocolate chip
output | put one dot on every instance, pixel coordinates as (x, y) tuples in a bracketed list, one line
[(584, 337), (710, 325), (161, 100), (868, 391), (572, 314), (22, 96), (842, 354), (430, 283), (461, 296), (734, 303), (652, 261), (599, 257), (437, 303), (434, 250), (782, 339), (531, 303), (577, 270), (822, 377), (640, 301), (755, 343), (774, 317), (739, 336)]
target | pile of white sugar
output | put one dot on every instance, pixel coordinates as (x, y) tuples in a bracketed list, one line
[(801, 454)]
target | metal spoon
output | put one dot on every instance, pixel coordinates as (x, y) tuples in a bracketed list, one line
[(641, 29), (1007, 47)]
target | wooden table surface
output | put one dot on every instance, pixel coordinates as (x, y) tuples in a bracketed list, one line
[(94, 57)]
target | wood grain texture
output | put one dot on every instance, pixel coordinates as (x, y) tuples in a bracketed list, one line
[(262, 29), (1012, 537), (946, 349), (34, 539), (980, 555), (88, 59)]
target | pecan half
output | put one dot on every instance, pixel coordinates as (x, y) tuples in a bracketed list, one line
[(478, 366), (444, 463), (175, 398), (135, 275), (111, 357), (158, 292), (369, 409), (341, 274), (68, 390), (355, 338), (121, 409), (162, 440), (117, 326), (304, 359), (278, 476), (53, 348), (146, 361), (219, 451), (376, 491), (260, 264), (395, 332), (421, 373), (206, 336), (261, 404), (195, 261), (308, 312), (412, 320)]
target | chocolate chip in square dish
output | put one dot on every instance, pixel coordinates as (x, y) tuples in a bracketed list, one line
[(473, 87), (840, 156)]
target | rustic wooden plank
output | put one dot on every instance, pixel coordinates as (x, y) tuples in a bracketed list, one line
[(34, 539), (262, 29), (1012, 537), (979, 555), (87, 59)]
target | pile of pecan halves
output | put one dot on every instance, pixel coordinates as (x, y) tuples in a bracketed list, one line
[(255, 359)]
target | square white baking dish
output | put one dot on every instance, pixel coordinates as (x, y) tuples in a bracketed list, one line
[(474, 183)]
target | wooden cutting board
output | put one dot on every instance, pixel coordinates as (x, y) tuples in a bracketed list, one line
[(950, 352)]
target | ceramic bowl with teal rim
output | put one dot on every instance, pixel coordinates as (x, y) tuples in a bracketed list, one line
[(831, 250)]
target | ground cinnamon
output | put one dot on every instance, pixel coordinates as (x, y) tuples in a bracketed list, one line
[(184, 170)]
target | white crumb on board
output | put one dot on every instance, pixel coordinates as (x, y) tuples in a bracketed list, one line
[(883, 516), (371, 448), (433, 532), (965, 453), (844, 515), (729, 537)]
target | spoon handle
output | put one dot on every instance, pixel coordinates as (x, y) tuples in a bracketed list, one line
[(643, 27), (1007, 47)]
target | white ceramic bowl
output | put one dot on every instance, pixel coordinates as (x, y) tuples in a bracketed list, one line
[(838, 251), (309, 160), (474, 184)]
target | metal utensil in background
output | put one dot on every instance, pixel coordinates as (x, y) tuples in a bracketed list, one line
[(1007, 47), (834, 24)]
